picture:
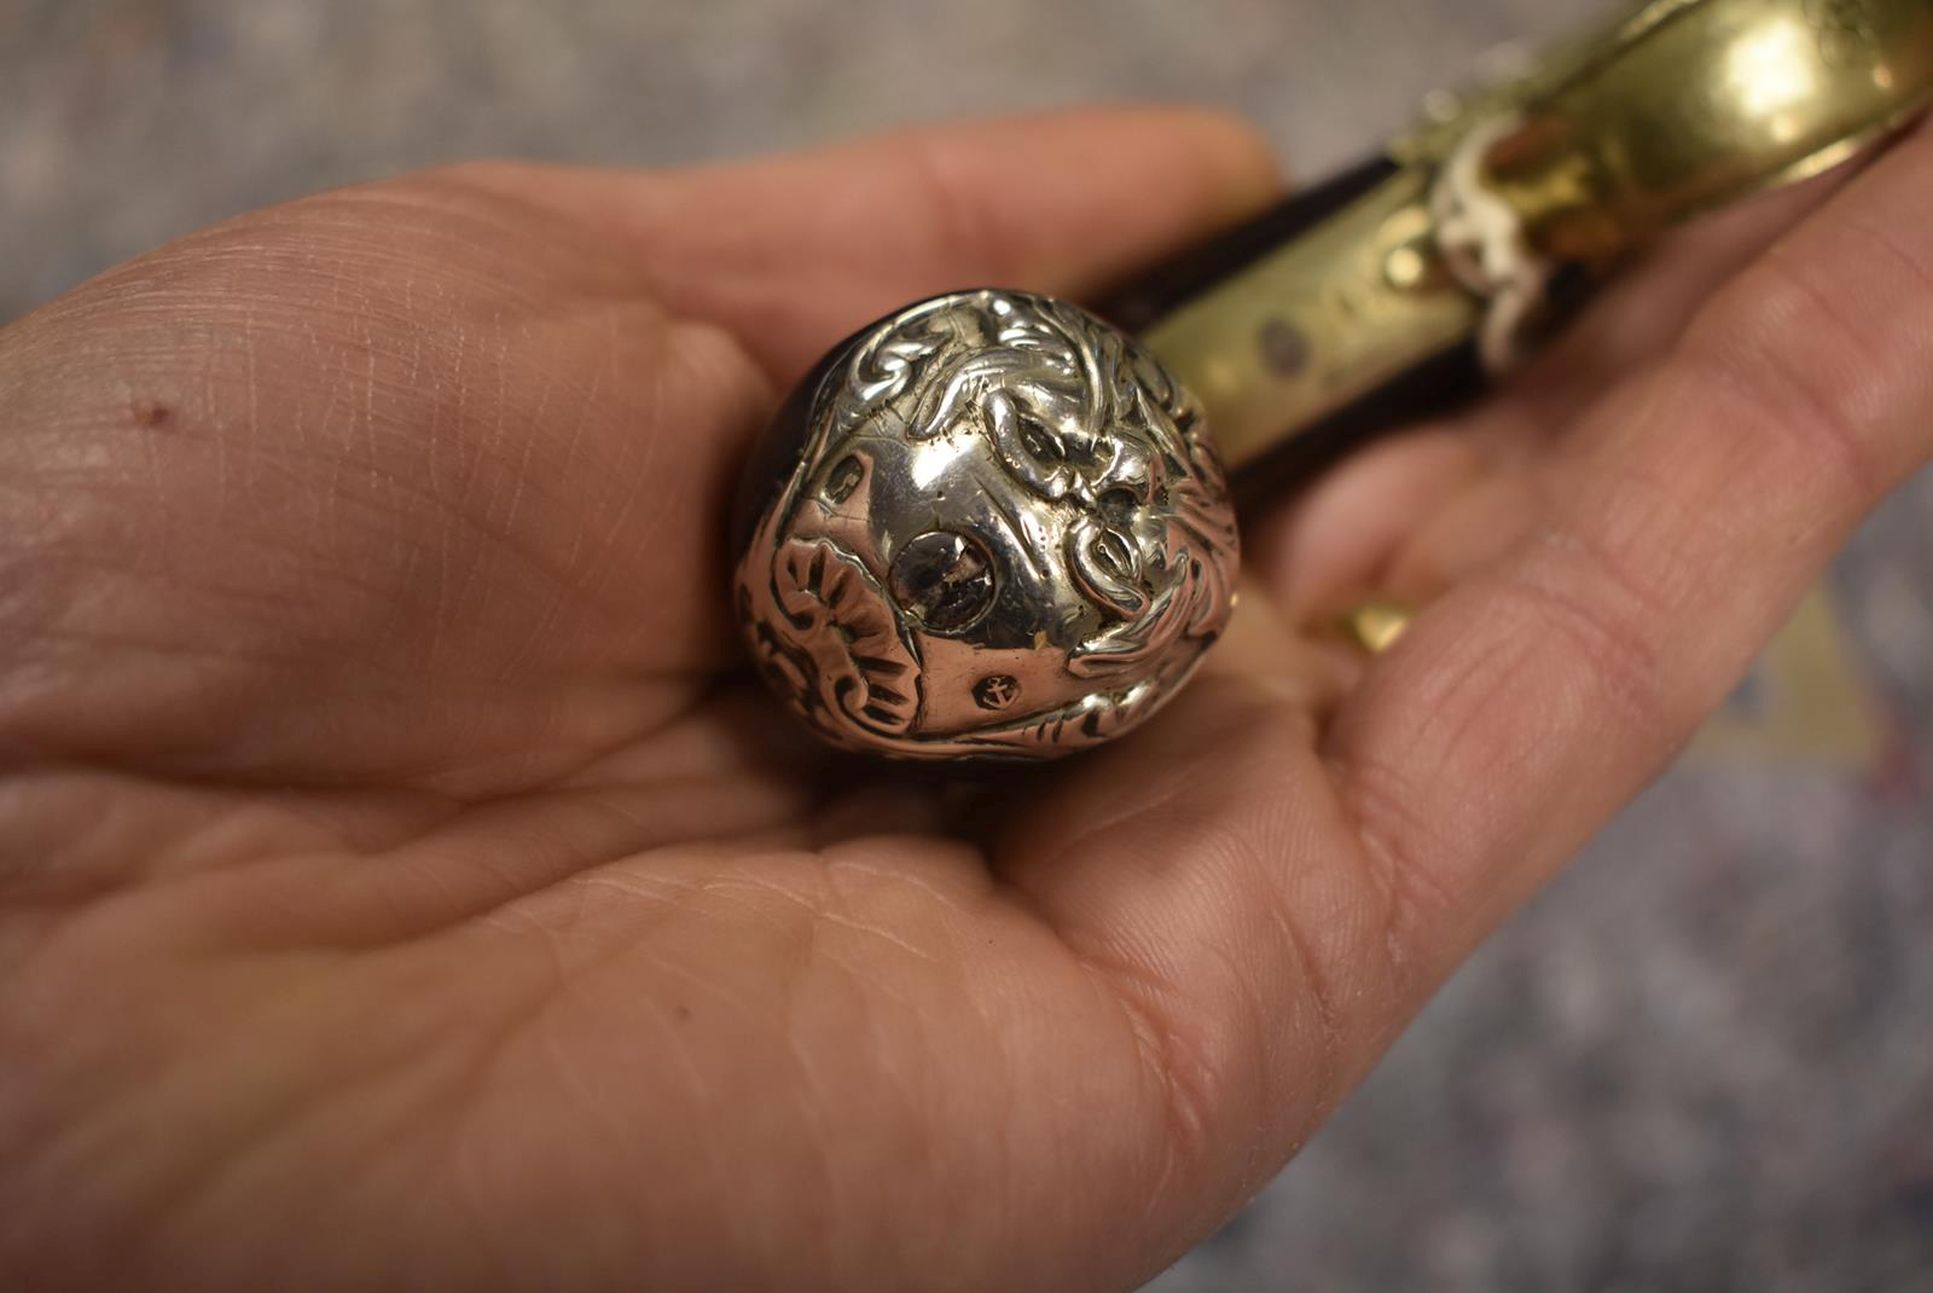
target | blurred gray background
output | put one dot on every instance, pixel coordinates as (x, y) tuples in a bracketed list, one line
[(1703, 1060)]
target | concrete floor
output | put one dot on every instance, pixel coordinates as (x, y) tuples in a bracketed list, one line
[(1704, 1060)]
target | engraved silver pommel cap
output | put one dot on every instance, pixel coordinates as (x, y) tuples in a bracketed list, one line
[(988, 525)]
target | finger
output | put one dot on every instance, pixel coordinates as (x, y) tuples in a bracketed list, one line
[(416, 483), (1319, 553), (792, 253), (1673, 533), (1269, 911), (1640, 315), (1400, 518)]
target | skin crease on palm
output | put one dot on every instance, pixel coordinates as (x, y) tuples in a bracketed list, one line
[(400, 885)]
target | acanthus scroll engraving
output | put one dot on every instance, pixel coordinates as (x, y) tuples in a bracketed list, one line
[(1006, 533)]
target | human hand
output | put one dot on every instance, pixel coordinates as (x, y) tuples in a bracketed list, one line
[(399, 885)]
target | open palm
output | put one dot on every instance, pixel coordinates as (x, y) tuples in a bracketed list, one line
[(400, 886)]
